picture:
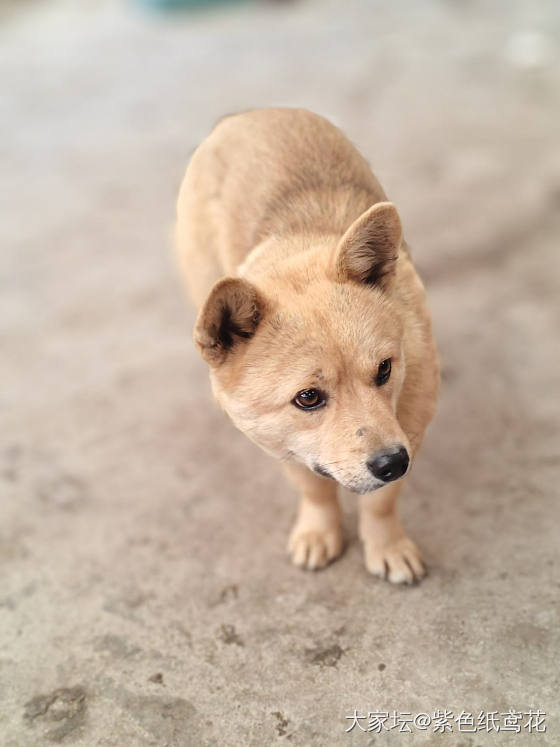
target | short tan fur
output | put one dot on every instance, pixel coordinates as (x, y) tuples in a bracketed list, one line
[(304, 283)]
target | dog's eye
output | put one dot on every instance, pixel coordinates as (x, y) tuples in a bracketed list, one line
[(383, 372), (309, 399)]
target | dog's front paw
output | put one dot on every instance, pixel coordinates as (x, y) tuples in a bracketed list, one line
[(314, 548), (399, 562)]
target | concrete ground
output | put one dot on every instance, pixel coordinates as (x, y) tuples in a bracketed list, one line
[(145, 595)]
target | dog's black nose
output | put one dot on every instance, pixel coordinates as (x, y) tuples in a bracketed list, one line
[(390, 464)]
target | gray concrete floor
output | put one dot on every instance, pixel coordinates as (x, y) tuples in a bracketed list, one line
[(145, 596)]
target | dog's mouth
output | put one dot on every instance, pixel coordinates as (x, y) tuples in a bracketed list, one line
[(323, 472)]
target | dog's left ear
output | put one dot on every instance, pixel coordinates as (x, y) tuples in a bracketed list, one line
[(367, 253)]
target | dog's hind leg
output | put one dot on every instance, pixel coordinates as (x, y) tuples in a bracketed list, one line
[(316, 538), (389, 552)]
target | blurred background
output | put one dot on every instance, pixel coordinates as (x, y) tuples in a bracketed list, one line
[(145, 595)]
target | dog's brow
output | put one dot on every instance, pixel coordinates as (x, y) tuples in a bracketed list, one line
[(314, 377)]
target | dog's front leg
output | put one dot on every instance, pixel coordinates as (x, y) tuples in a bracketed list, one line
[(316, 538), (389, 552)]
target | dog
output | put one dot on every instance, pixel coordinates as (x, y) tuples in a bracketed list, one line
[(313, 322)]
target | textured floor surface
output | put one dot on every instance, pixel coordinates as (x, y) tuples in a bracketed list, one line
[(145, 596)]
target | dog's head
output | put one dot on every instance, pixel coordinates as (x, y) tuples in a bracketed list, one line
[(307, 358)]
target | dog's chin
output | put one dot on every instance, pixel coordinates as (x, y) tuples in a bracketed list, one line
[(354, 486), (367, 487), (362, 489)]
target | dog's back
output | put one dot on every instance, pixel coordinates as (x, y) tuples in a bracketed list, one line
[(266, 172)]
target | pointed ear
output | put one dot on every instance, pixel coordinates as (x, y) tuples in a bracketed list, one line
[(367, 252), (230, 316)]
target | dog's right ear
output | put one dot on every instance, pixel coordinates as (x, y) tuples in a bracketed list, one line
[(230, 315)]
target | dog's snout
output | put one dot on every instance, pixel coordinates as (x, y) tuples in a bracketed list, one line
[(390, 464)]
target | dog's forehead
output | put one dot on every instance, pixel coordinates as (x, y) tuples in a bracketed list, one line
[(320, 339), (326, 336), (346, 314)]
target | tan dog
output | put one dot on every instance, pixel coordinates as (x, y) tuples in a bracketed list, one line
[(312, 320)]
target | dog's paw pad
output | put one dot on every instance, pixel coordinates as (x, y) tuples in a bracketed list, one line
[(314, 549), (399, 562)]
